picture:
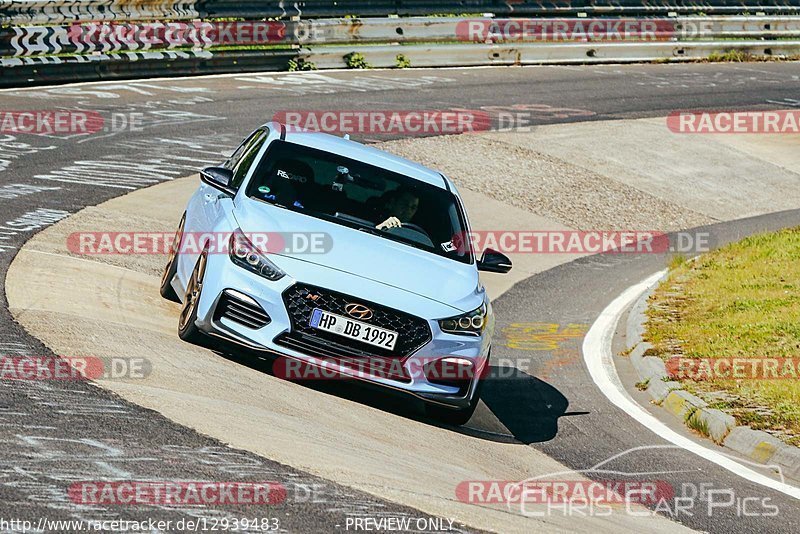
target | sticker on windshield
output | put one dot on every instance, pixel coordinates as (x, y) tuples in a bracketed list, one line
[(292, 177), (448, 246)]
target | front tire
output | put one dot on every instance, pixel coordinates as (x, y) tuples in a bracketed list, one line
[(450, 416), (171, 269), (459, 416), (455, 417), (187, 329)]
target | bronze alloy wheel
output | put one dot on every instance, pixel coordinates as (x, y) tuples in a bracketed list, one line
[(171, 268), (193, 289)]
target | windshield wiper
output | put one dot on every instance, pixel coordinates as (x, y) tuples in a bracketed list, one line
[(371, 230), (270, 202)]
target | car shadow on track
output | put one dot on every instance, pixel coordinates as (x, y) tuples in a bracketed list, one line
[(373, 396), (516, 407)]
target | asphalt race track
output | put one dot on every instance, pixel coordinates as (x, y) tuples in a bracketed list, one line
[(54, 434)]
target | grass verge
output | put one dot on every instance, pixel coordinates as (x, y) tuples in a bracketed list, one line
[(741, 301)]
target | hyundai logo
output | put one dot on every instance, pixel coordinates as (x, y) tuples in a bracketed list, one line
[(358, 311)]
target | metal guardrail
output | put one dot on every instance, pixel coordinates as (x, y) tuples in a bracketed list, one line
[(32, 41), (61, 11), (120, 45), (541, 8), (30, 72), (418, 29), (39, 71), (537, 54)]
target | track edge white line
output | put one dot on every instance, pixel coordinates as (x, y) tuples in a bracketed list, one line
[(599, 359)]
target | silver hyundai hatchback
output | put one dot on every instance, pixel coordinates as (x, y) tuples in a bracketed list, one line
[(340, 260)]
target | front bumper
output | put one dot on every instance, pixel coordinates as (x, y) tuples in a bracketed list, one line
[(223, 278)]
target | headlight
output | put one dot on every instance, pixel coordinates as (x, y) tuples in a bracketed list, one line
[(470, 324), (244, 254)]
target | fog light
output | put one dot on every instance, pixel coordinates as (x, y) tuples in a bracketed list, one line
[(451, 371)]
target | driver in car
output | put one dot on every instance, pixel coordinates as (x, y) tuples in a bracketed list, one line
[(400, 208)]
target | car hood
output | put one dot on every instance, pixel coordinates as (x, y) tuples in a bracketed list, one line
[(366, 256)]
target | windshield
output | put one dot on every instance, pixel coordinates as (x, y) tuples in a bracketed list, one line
[(361, 196)]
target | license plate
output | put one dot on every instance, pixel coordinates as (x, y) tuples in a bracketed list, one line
[(352, 329)]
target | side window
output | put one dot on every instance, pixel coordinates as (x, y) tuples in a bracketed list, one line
[(232, 161), (243, 166)]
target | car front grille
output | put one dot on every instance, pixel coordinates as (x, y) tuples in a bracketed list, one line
[(241, 309), (301, 300)]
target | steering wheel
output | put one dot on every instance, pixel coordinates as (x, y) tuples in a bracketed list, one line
[(405, 228), (415, 227)]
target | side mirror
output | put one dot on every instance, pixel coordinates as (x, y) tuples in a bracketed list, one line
[(218, 178), (494, 262)]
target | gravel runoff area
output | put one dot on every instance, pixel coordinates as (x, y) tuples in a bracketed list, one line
[(544, 185)]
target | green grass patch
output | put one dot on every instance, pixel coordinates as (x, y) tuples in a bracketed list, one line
[(732, 56), (356, 60), (402, 62), (695, 423), (299, 65), (743, 301), (677, 261), (741, 56)]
